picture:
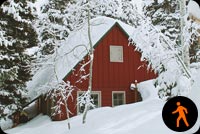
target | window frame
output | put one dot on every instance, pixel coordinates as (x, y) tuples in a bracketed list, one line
[(93, 92), (113, 60), (119, 92)]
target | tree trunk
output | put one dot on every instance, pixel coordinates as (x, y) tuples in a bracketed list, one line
[(185, 49), (67, 112), (91, 54)]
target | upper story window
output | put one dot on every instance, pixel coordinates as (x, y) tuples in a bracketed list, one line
[(116, 53)]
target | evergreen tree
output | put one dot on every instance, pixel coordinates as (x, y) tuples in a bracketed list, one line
[(17, 38), (129, 14), (50, 26), (166, 15)]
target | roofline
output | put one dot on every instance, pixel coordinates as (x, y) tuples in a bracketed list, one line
[(23, 106), (96, 44)]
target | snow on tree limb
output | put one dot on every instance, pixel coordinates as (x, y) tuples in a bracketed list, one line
[(163, 56)]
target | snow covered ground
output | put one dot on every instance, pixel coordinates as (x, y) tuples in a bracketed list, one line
[(138, 118)]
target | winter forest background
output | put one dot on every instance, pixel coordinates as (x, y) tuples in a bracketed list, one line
[(31, 31)]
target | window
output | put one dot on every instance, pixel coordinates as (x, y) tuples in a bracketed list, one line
[(96, 97), (116, 53), (118, 98)]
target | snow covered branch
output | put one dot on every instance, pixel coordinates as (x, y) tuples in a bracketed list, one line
[(163, 57)]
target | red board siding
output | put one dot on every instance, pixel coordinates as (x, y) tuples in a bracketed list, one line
[(111, 76)]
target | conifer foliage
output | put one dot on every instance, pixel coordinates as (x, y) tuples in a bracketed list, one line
[(162, 34), (166, 14), (17, 37), (51, 27)]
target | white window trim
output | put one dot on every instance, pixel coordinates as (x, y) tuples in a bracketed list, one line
[(93, 92), (122, 53), (113, 92)]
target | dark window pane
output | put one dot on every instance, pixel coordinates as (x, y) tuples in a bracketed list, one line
[(118, 99), (115, 96)]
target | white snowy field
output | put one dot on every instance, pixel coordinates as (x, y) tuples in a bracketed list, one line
[(139, 118)]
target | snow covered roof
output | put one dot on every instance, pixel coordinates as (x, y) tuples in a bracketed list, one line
[(71, 52)]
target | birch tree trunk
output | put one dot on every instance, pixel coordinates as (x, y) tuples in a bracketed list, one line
[(185, 48), (91, 54)]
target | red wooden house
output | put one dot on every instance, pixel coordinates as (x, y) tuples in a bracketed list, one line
[(116, 65)]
